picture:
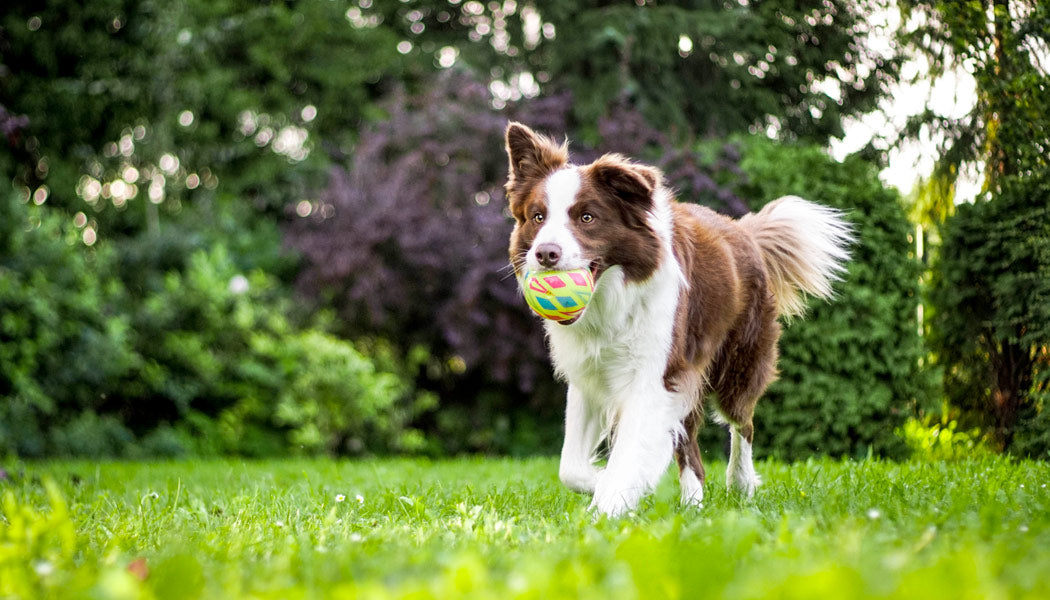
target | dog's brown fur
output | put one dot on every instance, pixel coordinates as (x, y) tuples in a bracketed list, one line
[(727, 329)]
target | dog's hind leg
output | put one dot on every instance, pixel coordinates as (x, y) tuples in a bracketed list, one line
[(736, 406), (744, 373), (690, 467), (740, 473)]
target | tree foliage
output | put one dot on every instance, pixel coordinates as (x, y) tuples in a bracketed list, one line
[(238, 95), (991, 289), (707, 67), (1003, 44), (987, 327)]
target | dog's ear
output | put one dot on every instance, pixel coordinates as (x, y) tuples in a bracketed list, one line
[(532, 155), (628, 181), (633, 185)]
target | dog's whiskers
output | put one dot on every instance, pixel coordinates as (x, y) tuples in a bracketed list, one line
[(517, 264)]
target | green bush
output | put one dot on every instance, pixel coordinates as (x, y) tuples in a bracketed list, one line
[(218, 342), (850, 369), (208, 362), (91, 436), (990, 321), (65, 344)]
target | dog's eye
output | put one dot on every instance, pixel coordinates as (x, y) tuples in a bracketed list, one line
[(586, 217), (538, 217)]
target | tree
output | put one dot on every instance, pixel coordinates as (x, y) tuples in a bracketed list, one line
[(991, 330), (152, 147), (1004, 45), (692, 67), (142, 111), (989, 327)]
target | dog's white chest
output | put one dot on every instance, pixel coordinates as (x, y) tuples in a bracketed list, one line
[(625, 334)]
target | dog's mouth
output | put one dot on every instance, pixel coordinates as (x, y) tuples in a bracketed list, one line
[(596, 269)]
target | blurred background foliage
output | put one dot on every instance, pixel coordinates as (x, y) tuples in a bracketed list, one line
[(259, 228)]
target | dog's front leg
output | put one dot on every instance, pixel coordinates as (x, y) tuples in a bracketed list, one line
[(642, 447), (583, 432)]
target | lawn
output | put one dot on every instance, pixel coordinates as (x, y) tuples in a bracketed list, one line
[(506, 528)]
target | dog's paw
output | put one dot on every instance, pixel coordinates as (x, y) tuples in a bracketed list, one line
[(744, 482), (692, 489), (580, 479), (610, 506), (613, 500), (693, 497)]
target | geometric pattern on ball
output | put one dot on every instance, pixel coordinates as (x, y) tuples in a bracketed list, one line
[(558, 295)]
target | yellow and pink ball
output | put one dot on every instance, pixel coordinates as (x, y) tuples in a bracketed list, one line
[(558, 295)]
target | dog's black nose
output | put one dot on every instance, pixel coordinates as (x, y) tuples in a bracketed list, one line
[(548, 254)]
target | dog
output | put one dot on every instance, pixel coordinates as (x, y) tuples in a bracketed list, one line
[(685, 306)]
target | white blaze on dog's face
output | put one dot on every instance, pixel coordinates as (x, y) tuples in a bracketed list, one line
[(555, 246), (570, 217)]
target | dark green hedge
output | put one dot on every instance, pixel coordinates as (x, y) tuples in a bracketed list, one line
[(990, 322)]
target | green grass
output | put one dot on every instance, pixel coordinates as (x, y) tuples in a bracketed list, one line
[(507, 529)]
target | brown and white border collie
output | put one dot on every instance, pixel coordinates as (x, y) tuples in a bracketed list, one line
[(686, 305)]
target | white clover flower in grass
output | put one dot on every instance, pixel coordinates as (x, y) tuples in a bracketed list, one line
[(340, 497), (873, 513)]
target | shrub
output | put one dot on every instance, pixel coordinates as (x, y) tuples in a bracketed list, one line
[(941, 438), (89, 435), (331, 397), (65, 342), (990, 322), (217, 342), (850, 370), (208, 362)]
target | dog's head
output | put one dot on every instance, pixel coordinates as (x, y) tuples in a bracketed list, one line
[(568, 217)]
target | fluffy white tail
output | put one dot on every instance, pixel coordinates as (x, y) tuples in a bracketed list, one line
[(804, 246)]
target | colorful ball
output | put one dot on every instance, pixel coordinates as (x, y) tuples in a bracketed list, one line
[(558, 295)]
